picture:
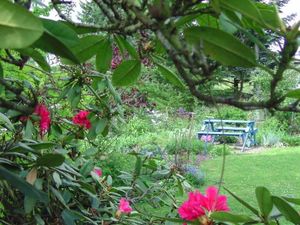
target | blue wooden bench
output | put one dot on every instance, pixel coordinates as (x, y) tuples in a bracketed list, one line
[(236, 128)]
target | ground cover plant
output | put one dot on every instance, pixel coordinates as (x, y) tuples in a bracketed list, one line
[(69, 108)]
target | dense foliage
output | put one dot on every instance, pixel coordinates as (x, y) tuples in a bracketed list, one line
[(61, 110)]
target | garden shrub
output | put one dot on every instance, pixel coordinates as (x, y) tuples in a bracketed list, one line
[(194, 174), (291, 140), (227, 139), (230, 113), (270, 132), (115, 162), (183, 144), (217, 150)]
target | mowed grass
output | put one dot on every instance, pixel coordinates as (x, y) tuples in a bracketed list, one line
[(277, 169)]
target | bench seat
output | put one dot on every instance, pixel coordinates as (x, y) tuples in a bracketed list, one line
[(220, 133), (233, 128)]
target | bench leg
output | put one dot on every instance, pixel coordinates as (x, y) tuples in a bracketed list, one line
[(245, 141)]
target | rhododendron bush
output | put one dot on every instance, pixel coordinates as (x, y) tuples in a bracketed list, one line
[(60, 85)]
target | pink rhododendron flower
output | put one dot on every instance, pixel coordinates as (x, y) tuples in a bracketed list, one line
[(124, 206), (81, 119), (98, 172), (206, 138), (199, 205), (45, 120)]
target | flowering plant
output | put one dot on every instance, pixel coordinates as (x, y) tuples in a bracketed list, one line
[(206, 138), (81, 119), (199, 207)]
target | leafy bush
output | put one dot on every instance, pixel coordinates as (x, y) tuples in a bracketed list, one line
[(227, 139), (271, 139), (111, 164), (232, 113), (217, 150), (270, 132), (181, 144), (194, 175), (291, 140)]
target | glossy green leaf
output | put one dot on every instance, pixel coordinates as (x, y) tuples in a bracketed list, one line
[(22, 185), (29, 129), (69, 217), (126, 73), (247, 205), (208, 20), (39, 220), (58, 39), (57, 179), (113, 91), (109, 180), (88, 188), (74, 95), (50, 160), (264, 201), (6, 121), (138, 166), (29, 203), (128, 46), (104, 56), (232, 218), (1, 71), (42, 145), (295, 201), (59, 196), (293, 94), (287, 210), (170, 76), (226, 24), (37, 57), (120, 44), (185, 20), (22, 147), (100, 125), (246, 8), (270, 16), (56, 129), (86, 168), (18, 27), (221, 46), (61, 32), (87, 47), (180, 188)]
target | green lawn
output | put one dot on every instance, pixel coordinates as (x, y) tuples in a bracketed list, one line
[(277, 169)]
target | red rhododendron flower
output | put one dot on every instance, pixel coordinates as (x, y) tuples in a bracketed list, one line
[(199, 205), (81, 119), (45, 120), (124, 206), (23, 118), (98, 172)]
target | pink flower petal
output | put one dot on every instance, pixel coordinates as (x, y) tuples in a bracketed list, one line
[(81, 119), (98, 172), (124, 206)]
